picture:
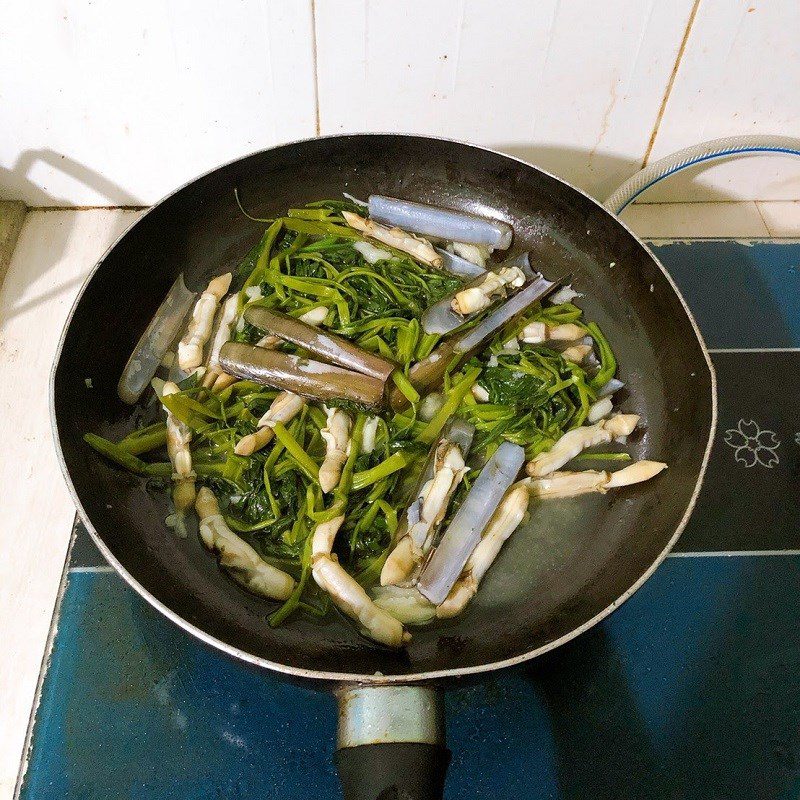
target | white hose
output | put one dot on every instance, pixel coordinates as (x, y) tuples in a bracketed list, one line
[(705, 151)]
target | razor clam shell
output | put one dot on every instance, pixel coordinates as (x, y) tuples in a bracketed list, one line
[(517, 304), (440, 317), (464, 532), (458, 432), (458, 266), (426, 375), (440, 223), (327, 346), (302, 376)]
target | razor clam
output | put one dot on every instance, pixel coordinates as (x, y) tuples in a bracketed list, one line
[(476, 253), (493, 285), (191, 346), (456, 265), (427, 374), (351, 599), (284, 408), (336, 435), (222, 334), (598, 410), (576, 353), (572, 484), (302, 376), (415, 246), (464, 532), (155, 342), (179, 437), (563, 335), (236, 556), (371, 253), (442, 317), (613, 386), (347, 594), (505, 520), (440, 223), (574, 442), (368, 434), (404, 603), (327, 346), (440, 477)]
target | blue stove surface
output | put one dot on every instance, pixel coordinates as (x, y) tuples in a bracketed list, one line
[(690, 690)]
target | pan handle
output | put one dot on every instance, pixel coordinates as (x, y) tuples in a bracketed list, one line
[(391, 743)]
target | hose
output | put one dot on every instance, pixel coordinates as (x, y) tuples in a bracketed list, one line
[(705, 151)]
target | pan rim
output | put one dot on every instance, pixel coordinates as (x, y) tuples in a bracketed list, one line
[(377, 679)]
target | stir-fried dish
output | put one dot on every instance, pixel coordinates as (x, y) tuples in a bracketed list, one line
[(347, 416)]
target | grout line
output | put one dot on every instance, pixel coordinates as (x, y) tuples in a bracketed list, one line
[(677, 239), (761, 216), (754, 349), (12, 218), (670, 83), (314, 62), (704, 202), (87, 208), (735, 553), (96, 568)]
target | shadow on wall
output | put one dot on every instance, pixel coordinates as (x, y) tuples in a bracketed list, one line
[(598, 174), (45, 255), (16, 182)]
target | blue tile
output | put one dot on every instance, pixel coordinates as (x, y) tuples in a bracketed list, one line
[(688, 691), (742, 295)]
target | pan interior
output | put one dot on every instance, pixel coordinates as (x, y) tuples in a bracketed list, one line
[(570, 561)]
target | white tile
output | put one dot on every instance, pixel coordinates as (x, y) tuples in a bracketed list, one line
[(54, 253), (124, 102), (695, 220), (564, 85), (740, 74), (782, 218)]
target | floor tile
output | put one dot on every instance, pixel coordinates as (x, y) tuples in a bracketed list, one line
[(695, 220), (782, 218), (54, 253)]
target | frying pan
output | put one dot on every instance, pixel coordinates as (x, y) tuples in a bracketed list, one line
[(562, 572)]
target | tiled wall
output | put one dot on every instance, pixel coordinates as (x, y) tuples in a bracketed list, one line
[(110, 103)]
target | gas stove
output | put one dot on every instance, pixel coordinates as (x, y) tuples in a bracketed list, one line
[(690, 690)]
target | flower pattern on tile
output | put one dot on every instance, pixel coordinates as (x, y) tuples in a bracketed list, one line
[(752, 445)]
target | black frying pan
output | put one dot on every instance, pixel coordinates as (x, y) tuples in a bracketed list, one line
[(569, 567)]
